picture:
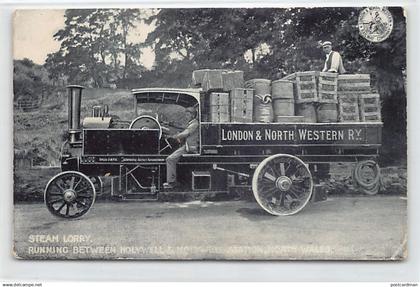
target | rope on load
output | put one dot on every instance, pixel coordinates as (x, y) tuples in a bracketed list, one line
[(265, 99)]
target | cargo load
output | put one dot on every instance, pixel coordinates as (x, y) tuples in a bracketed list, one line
[(241, 105), (260, 86), (217, 79), (219, 107), (263, 109)]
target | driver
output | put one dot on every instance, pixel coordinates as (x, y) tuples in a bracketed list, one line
[(190, 137)]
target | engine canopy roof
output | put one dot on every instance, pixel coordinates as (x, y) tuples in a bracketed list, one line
[(182, 97)]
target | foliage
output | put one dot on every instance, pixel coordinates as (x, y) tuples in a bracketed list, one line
[(95, 47), (29, 79)]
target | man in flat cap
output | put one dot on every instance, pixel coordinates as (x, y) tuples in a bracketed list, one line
[(190, 139), (333, 60)]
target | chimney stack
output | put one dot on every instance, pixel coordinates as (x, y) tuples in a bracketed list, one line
[(74, 94)]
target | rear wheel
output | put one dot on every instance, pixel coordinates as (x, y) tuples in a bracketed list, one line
[(282, 184), (69, 194)]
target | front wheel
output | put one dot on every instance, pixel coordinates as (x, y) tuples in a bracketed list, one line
[(69, 194), (282, 184)]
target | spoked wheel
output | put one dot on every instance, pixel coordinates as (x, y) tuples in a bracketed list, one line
[(366, 175), (282, 184), (69, 194), (98, 184)]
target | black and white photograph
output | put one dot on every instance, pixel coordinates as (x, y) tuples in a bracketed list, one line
[(210, 134)]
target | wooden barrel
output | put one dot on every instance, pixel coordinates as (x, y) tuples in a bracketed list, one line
[(261, 86), (307, 110), (282, 89), (284, 107), (263, 109), (327, 113)]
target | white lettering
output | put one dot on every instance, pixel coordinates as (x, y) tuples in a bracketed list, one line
[(43, 238), (48, 250), (76, 238), (278, 135), (341, 135), (351, 134), (302, 134), (232, 135)]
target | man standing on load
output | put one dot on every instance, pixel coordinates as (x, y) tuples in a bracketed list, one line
[(333, 60)]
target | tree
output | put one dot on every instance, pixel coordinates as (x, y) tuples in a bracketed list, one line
[(95, 47), (29, 79)]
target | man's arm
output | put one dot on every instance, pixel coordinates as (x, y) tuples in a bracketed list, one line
[(189, 130)]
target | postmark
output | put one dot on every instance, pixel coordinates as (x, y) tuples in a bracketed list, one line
[(375, 24)]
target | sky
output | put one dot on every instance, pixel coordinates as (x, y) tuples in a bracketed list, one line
[(33, 32)]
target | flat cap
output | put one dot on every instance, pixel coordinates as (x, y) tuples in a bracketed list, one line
[(326, 43)]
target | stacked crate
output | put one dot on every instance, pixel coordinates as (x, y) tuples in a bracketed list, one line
[(327, 88), (216, 85), (241, 105), (305, 86), (370, 108), (219, 107), (306, 94), (350, 88), (348, 107), (327, 98), (358, 83)]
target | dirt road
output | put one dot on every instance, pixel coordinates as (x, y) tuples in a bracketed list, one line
[(364, 228)]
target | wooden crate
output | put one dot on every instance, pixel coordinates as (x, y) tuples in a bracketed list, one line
[(348, 107), (241, 105), (219, 99), (219, 107), (358, 83), (305, 86), (370, 107), (241, 111), (219, 114), (327, 88), (348, 112), (348, 97)]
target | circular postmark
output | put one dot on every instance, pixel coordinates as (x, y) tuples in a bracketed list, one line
[(375, 23)]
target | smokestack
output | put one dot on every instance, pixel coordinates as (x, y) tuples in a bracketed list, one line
[(74, 94)]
